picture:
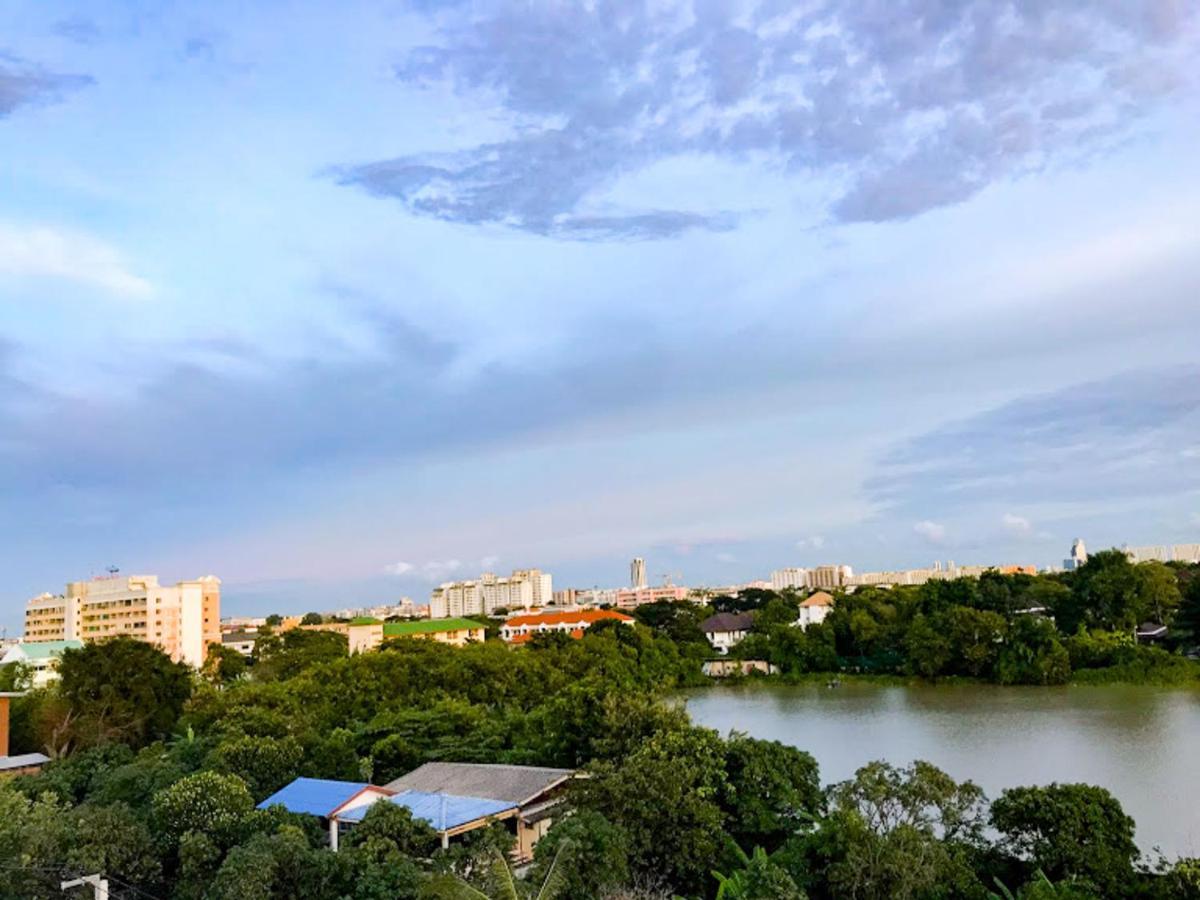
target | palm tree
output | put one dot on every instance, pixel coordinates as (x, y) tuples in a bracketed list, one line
[(502, 884)]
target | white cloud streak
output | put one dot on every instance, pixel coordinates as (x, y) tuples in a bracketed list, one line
[(40, 251)]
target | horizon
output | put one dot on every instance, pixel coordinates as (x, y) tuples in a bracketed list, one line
[(354, 301)]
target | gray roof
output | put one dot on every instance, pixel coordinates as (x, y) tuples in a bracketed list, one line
[(727, 622), (512, 784), (23, 761)]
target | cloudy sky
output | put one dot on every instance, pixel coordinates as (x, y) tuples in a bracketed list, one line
[(339, 300)]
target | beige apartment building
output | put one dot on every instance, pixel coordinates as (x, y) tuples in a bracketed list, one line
[(181, 619), (524, 589)]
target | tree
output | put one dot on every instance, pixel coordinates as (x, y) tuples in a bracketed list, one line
[(596, 858), (264, 764), (286, 656), (391, 827), (928, 648), (223, 665), (975, 639), (499, 883), (758, 879), (312, 618), (1158, 593), (1032, 654), (274, 620), (213, 805), (771, 791), (1069, 831), (898, 833), (665, 796)]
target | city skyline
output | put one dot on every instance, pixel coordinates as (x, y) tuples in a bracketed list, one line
[(702, 300)]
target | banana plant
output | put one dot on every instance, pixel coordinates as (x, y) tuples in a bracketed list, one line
[(501, 882)]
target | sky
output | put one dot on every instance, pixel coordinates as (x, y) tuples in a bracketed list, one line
[(338, 301)]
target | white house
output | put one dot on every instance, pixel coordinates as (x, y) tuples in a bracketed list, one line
[(814, 609), (726, 629), (41, 656)]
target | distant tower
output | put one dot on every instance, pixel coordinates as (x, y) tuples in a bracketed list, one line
[(1078, 557), (637, 572)]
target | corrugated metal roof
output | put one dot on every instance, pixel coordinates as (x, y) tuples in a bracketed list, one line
[(583, 617), (443, 811), (314, 796), (44, 649), (22, 761), (511, 784)]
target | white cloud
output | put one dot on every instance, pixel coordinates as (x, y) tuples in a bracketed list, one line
[(43, 252), (815, 542), (726, 557), (931, 531), (398, 568), (1018, 526), (439, 569)]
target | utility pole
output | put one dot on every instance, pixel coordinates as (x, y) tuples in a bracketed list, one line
[(99, 885)]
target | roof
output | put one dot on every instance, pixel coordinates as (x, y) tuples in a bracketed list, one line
[(443, 811), (314, 796), (238, 637), (23, 761), (722, 622), (511, 784), (1151, 629), (366, 620), (429, 626), (583, 616), (525, 638), (820, 598), (44, 649)]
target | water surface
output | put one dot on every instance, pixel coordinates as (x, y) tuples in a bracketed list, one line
[(1142, 743)]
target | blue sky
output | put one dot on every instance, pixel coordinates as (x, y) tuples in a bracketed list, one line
[(338, 300)]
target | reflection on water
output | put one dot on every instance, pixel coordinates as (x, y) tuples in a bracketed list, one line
[(1136, 741)]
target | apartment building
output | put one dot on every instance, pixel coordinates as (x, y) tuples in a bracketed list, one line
[(524, 589), (181, 619), (520, 629), (792, 577)]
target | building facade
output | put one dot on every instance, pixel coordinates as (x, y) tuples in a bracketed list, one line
[(520, 629), (181, 619), (629, 598), (814, 610), (41, 657), (524, 589), (637, 573), (793, 578)]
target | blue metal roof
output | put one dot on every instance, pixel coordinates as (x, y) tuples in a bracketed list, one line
[(315, 796), (442, 811)]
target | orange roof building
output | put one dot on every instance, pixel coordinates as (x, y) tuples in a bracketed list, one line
[(519, 629)]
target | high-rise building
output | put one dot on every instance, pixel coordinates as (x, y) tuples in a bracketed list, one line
[(1078, 556), (637, 573), (524, 589), (182, 620), (782, 579), (828, 577)]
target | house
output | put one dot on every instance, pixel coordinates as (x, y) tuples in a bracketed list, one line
[(724, 630), (519, 629), (533, 792), (23, 763), (241, 641), (814, 609), (453, 798), (724, 668), (455, 632), (1150, 633), (41, 656)]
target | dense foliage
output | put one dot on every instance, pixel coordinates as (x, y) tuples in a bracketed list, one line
[(158, 770)]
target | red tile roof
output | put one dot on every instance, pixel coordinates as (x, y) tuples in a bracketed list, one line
[(583, 616)]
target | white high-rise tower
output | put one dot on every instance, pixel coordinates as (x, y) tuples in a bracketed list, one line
[(637, 573)]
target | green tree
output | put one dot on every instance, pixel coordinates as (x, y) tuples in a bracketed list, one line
[(499, 883), (223, 665), (901, 833), (975, 638), (296, 651), (928, 647), (312, 618), (1070, 831), (771, 790), (391, 827), (758, 879), (1033, 654), (595, 860), (123, 690), (264, 764), (207, 803)]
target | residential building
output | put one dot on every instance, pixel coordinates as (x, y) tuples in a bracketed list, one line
[(453, 798), (724, 630), (830, 577), (243, 623), (814, 609), (597, 596), (182, 619), (241, 641), (1183, 553), (42, 657), (937, 572), (455, 632), (519, 629), (1188, 553), (793, 578), (524, 589), (637, 573), (629, 598)]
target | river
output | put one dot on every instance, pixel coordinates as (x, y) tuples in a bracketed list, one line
[(1141, 743)]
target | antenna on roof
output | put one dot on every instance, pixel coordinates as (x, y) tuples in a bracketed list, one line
[(112, 570)]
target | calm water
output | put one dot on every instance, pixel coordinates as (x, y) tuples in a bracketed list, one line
[(1141, 743)]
